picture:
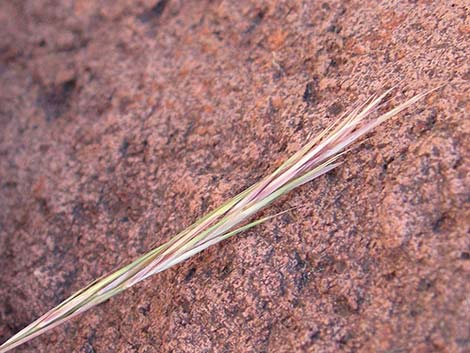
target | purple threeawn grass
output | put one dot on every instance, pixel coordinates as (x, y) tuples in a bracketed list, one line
[(317, 157)]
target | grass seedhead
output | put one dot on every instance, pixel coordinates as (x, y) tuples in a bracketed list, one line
[(317, 157)]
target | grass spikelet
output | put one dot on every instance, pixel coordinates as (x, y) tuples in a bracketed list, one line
[(317, 157)]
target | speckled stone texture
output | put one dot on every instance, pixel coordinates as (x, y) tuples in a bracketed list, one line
[(122, 122)]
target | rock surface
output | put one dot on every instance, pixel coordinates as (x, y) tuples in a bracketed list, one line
[(121, 122)]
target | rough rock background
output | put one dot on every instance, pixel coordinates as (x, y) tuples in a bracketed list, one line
[(121, 122)]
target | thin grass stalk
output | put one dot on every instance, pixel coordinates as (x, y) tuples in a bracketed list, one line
[(314, 159)]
